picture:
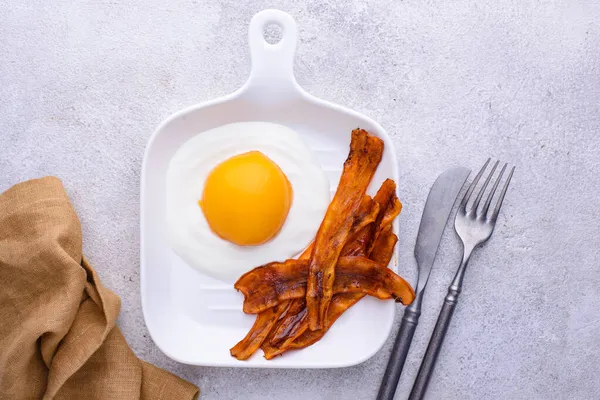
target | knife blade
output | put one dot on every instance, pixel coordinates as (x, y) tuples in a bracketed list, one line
[(439, 204)]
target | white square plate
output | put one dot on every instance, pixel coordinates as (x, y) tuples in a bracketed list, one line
[(196, 319)]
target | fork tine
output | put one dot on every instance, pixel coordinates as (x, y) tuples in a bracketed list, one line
[(467, 196), (482, 190), (502, 194), (488, 201)]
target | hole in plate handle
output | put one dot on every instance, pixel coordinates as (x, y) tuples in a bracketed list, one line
[(272, 32), (272, 37)]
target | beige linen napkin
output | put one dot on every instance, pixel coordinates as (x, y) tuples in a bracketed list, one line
[(58, 338)]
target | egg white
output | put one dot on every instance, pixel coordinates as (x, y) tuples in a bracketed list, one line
[(189, 233)]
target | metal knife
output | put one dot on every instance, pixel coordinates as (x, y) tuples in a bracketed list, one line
[(438, 206)]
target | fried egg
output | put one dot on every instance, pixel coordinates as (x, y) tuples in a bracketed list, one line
[(243, 195)]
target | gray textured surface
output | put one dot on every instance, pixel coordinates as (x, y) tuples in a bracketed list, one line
[(83, 85)]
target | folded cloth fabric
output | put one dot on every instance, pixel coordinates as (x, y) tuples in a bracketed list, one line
[(58, 338)]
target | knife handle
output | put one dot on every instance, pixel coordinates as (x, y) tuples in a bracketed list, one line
[(435, 344), (410, 319)]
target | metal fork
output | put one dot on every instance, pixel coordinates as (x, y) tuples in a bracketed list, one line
[(474, 226)]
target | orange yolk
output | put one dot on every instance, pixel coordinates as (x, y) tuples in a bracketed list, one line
[(246, 199)]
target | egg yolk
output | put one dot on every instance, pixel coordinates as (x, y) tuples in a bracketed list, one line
[(246, 199)]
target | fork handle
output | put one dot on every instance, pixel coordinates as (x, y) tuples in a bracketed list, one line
[(435, 344)]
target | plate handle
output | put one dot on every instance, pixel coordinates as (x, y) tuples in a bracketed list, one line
[(272, 64)]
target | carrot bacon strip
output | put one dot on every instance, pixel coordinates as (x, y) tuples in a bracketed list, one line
[(382, 252), (360, 232), (388, 201), (267, 286), (286, 320), (364, 157), (390, 214), (367, 214), (294, 324), (285, 326), (339, 304), (262, 327), (293, 332), (358, 247), (383, 249), (271, 351), (307, 252)]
